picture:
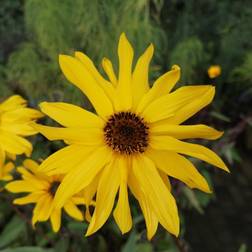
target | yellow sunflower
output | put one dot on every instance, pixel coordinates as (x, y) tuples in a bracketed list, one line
[(15, 119), (133, 142), (41, 189)]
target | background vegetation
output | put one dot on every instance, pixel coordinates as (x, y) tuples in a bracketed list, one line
[(192, 34)]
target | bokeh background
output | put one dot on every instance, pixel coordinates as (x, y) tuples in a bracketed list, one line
[(192, 34)]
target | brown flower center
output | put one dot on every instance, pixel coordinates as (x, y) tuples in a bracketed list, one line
[(126, 133), (53, 188)]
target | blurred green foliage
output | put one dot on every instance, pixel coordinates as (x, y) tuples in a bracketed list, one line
[(192, 34)]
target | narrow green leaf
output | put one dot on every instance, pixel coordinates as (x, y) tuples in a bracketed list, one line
[(11, 231)]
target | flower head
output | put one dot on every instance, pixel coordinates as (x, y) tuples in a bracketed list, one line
[(41, 191), (15, 119), (214, 71), (132, 143)]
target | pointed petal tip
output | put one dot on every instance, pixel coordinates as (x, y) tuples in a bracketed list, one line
[(176, 67)]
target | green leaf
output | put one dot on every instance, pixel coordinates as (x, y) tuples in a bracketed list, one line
[(193, 199), (130, 245), (27, 249), (243, 248), (144, 247), (12, 230), (220, 116)]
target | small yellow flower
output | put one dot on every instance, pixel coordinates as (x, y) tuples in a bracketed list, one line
[(133, 142), (15, 119), (214, 71), (41, 189)]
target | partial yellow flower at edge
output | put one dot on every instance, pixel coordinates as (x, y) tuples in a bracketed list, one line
[(41, 190), (133, 142), (5, 171), (214, 71), (15, 119)]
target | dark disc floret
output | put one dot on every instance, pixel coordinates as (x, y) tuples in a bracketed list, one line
[(53, 188), (126, 133)]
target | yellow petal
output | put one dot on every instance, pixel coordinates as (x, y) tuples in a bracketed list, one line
[(168, 106), (21, 129), (13, 102), (122, 213), (20, 115), (73, 211), (162, 86), (109, 70), (165, 179), (77, 74), (81, 176), (2, 157), (124, 90), (31, 165), (31, 198), (190, 149), (14, 144), (43, 208), (70, 115), (20, 186), (106, 193), (180, 168), (9, 167), (150, 217), (55, 219), (161, 200), (89, 193), (140, 80), (186, 131), (193, 106), (89, 65), (85, 136), (65, 159)]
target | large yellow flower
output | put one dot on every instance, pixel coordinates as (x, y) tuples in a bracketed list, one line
[(41, 189), (15, 119), (134, 140)]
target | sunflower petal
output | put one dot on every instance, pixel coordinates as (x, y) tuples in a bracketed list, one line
[(55, 219), (162, 86), (81, 176), (14, 144), (109, 70), (124, 91), (193, 105), (13, 102), (180, 168), (89, 65), (190, 149), (85, 136), (106, 193), (78, 75), (65, 160), (161, 200), (31, 198), (140, 82), (186, 131), (150, 217), (20, 186), (70, 115), (122, 213), (168, 106), (43, 209), (73, 211)]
